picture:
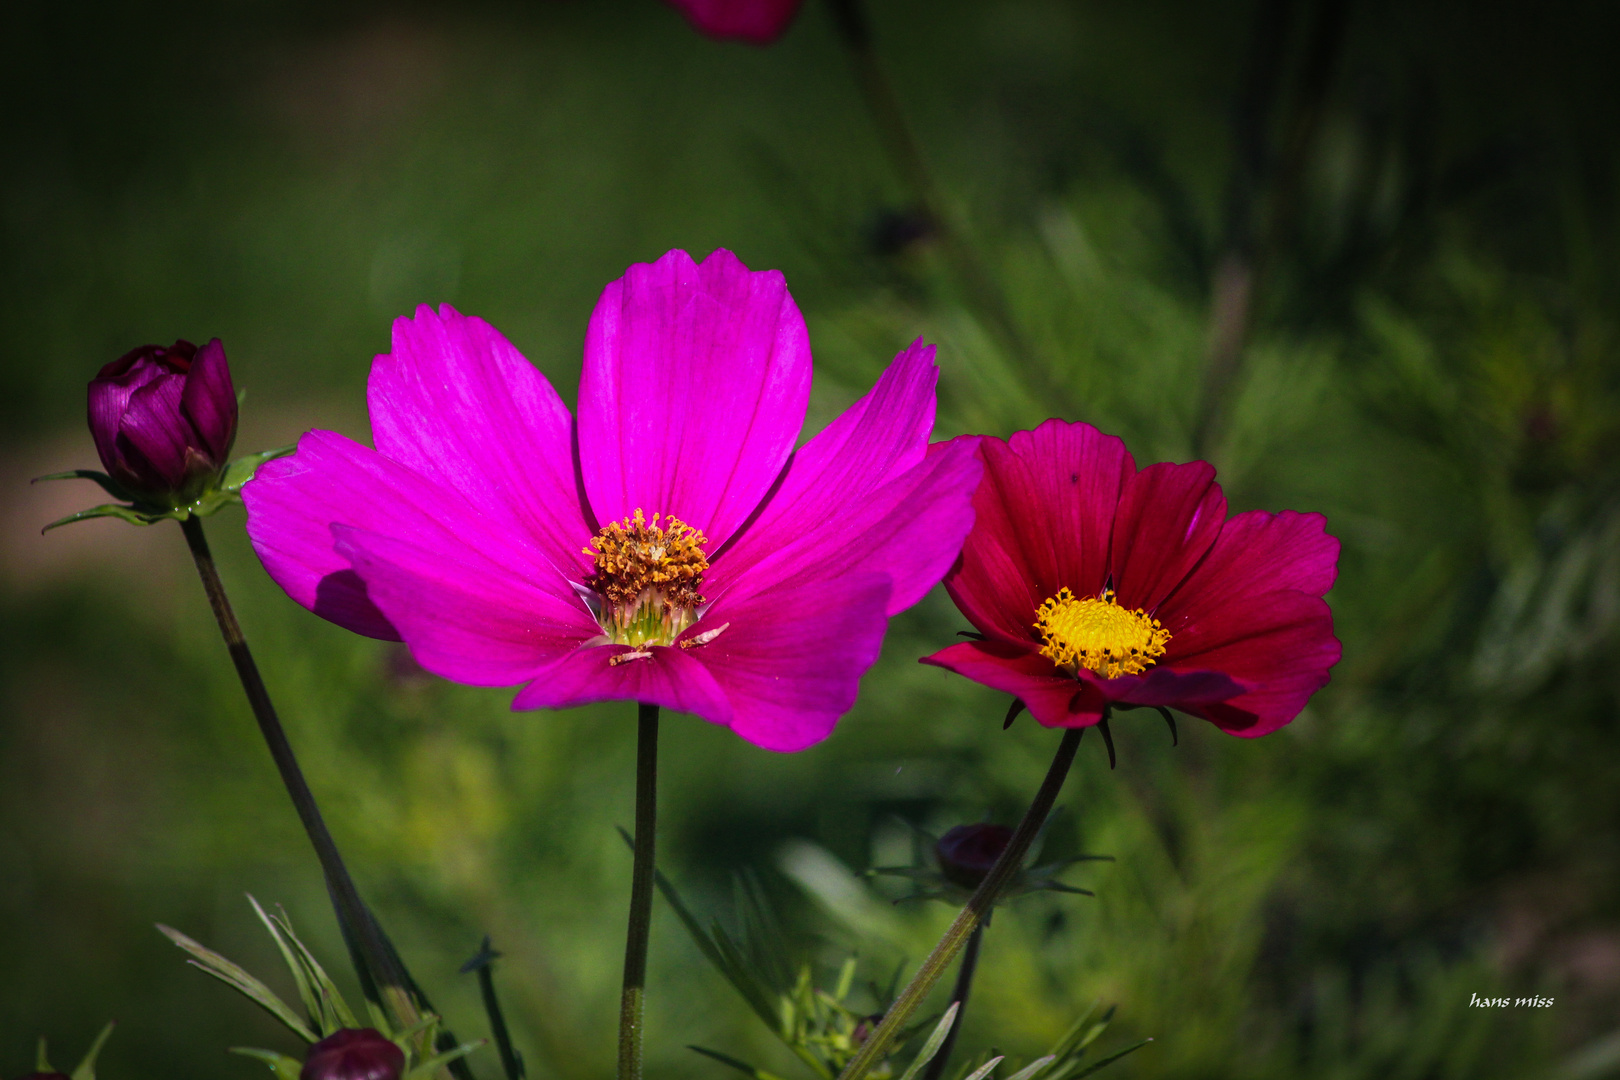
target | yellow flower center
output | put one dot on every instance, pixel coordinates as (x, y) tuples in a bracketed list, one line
[(648, 577), (1099, 635)]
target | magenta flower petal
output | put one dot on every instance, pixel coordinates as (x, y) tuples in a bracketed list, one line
[(456, 402), (294, 501), (866, 494), (910, 530), (670, 678), (1168, 517), (465, 615), (209, 401), (694, 388), (462, 533), (1043, 516), (790, 658), (759, 22)]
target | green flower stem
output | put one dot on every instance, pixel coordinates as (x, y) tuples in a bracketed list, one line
[(378, 964), (959, 997), (977, 910), (978, 285), (641, 894)]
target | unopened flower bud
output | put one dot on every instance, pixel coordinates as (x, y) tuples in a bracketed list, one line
[(164, 420), (968, 852), (354, 1054)]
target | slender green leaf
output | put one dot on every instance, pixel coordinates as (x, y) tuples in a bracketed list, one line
[(306, 987), (740, 1066), (283, 1066), (935, 1041), (984, 1070), (332, 999), (245, 984), (87, 1067), (1109, 1060), (1028, 1072), (433, 1064)]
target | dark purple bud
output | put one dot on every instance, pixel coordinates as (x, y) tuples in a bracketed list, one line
[(354, 1054), (967, 853), (164, 420)]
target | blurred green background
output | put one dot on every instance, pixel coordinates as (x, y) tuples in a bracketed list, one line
[(1409, 212)]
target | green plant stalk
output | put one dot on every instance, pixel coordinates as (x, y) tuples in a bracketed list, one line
[(959, 996), (967, 921), (641, 894), (378, 965)]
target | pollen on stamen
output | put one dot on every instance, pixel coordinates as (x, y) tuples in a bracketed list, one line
[(648, 575), (1097, 634)]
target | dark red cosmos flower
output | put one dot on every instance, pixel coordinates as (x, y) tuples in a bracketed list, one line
[(758, 22), (354, 1054), (1095, 584), (164, 419)]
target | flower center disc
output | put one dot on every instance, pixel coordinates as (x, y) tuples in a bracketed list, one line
[(1099, 635), (648, 575)]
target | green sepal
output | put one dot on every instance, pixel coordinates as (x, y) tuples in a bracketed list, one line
[(283, 1066), (242, 469), (87, 1067), (225, 489), (108, 484), (117, 510), (1110, 1059), (984, 1070)]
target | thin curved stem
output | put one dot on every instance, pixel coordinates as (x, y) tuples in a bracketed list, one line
[(959, 997), (641, 894), (382, 974), (977, 909)]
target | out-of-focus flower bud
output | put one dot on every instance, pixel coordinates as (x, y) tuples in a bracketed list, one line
[(163, 420), (354, 1054), (758, 22), (967, 853)]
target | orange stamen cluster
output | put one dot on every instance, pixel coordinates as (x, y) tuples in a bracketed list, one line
[(649, 575)]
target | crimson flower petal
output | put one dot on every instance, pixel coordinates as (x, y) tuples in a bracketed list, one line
[(1042, 519), (1052, 697), (694, 389), (1168, 517)]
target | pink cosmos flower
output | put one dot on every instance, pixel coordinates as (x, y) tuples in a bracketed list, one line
[(758, 22), (1095, 584), (668, 545)]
